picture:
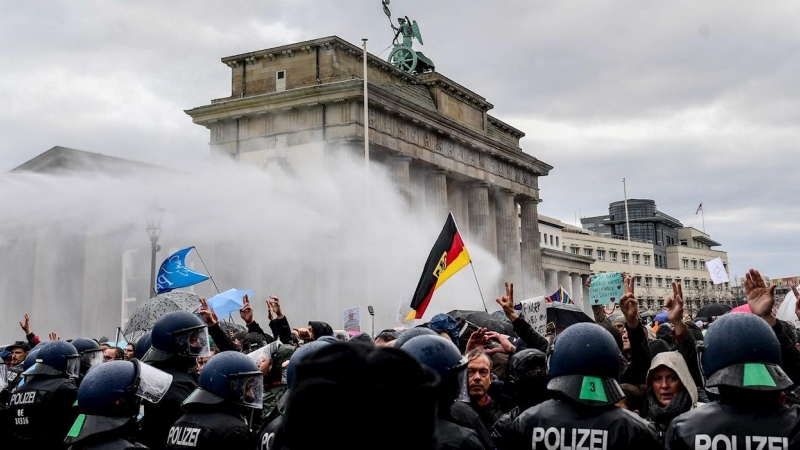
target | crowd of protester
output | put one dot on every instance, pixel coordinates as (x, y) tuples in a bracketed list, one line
[(621, 383)]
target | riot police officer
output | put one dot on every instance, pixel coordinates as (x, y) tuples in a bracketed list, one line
[(41, 408), (91, 355), (584, 370), (526, 385), (142, 345), (742, 358), (444, 358), (231, 387), (177, 339), (108, 403)]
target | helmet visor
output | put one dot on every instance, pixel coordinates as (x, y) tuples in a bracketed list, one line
[(3, 377), (73, 366), (247, 389), (153, 383), (264, 354), (193, 342), (463, 380), (91, 358)]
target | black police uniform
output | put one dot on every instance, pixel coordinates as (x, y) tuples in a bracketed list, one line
[(41, 411), (450, 436), (159, 417), (736, 426), (103, 433), (562, 424), (210, 429)]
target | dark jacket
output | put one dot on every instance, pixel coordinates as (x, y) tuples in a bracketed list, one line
[(462, 414), (571, 425), (639, 362), (752, 426), (489, 413), (159, 417), (450, 436), (41, 411), (210, 427), (103, 433), (790, 356), (221, 339), (502, 428), (528, 335), (281, 330)]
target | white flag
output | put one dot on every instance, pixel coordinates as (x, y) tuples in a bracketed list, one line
[(716, 268), (786, 311)]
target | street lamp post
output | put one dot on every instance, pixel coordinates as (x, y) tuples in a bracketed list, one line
[(154, 219)]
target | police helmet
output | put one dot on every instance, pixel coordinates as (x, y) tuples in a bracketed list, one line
[(585, 365), (298, 356), (56, 358), (178, 333), (30, 360), (741, 350), (443, 357), (412, 333), (142, 345), (230, 377), (91, 354), (113, 388)]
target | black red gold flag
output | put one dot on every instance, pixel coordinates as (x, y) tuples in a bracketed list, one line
[(448, 256)]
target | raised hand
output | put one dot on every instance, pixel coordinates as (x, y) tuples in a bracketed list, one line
[(477, 340), (26, 326), (53, 336), (246, 311), (507, 302), (209, 317), (505, 345), (760, 297), (674, 305), (275, 306), (629, 304)]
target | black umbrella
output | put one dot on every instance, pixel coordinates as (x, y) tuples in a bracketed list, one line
[(711, 310), (566, 314), (484, 320)]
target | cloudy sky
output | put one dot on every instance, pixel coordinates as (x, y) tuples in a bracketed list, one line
[(690, 101)]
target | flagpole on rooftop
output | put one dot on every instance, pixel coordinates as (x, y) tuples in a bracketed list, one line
[(472, 266), (627, 225)]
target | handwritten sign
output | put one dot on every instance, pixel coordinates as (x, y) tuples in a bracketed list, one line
[(606, 288), (534, 311), (716, 268)]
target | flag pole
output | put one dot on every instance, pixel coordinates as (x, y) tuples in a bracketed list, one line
[(703, 215), (471, 265), (208, 271), (627, 225)]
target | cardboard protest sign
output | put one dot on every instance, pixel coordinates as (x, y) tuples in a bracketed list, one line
[(606, 288), (716, 268), (534, 311)]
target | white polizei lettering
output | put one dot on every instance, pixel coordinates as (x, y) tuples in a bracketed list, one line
[(723, 442), (579, 439), (584, 435), (183, 436), (547, 434), (266, 441)]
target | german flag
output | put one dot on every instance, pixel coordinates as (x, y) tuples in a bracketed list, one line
[(448, 256)]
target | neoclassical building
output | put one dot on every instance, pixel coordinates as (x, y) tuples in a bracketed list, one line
[(303, 103)]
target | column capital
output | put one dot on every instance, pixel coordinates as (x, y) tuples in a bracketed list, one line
[(401, 158), (478, 185), (525, 199)]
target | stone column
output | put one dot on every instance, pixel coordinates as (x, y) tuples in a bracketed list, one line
[(563, 281), (478, 200), (576, 292), (531, 253), (551, 282), (401, 175), (507, 235), (437, 194)]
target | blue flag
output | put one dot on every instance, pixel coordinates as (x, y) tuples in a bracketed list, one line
[(174, 274)]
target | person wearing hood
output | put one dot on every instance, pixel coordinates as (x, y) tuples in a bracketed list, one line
[(230, 389), (742, 358), (670, 390)]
